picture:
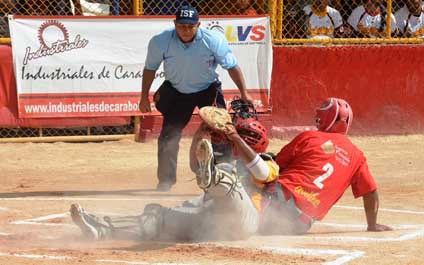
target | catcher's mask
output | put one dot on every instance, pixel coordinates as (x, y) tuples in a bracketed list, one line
[(242, 110), (335, 115), (253, 133)]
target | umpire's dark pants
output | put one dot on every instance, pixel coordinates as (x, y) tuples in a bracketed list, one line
[(175, 118)]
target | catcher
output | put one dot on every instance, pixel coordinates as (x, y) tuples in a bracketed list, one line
[(225, 212)]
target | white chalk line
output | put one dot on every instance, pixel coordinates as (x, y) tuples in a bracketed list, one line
[(363, 227), (141, 262), (346, 256), (380, 209), (404, 237), (40, 224), (38, 220), (4, 209), (44, 218), (33, 256)]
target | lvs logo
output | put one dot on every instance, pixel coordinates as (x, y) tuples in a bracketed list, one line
[(245, 33), (54, 38), (250, 33)]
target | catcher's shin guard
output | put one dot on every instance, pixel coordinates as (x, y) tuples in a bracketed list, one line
[(151, 221), (226, 180), (146, 226)]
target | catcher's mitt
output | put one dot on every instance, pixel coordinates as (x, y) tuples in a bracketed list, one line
[(217, 119)]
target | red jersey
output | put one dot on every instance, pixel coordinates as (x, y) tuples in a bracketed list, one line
[(317, 167)]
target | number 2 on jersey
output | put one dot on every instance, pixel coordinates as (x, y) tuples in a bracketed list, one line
[(329, 169)]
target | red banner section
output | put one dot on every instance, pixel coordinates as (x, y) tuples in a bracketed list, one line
[(8, 103), (78, 104), (103, 104), (384, 85)]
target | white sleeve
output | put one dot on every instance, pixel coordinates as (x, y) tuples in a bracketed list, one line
[(258, 168)]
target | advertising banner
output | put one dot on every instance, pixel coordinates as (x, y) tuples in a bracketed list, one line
[(93, 66)]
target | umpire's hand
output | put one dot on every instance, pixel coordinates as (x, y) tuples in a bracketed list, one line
[(247, 98), (144, 105)]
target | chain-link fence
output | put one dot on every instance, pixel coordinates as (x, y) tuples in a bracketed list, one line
[(123, 7), (207, 7), (72, 131), (65, 8), (291, 19), (356, 21)]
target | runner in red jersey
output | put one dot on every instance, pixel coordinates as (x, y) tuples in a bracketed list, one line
[(316, 168)]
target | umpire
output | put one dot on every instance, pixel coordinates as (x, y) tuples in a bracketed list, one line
[(190, 56)]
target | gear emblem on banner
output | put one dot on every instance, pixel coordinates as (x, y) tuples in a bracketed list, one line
[(52, 24)]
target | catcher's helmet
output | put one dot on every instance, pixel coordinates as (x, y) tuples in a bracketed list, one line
[(335, 115), (253, 133)]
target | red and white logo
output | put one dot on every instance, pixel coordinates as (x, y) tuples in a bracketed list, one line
[(54, 38)]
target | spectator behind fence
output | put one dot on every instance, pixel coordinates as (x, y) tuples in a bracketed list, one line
[(345, 7), (293, 19), (96, 7), (410, 19), (243, 7), (76, 8), (369, 20), (322, 21)]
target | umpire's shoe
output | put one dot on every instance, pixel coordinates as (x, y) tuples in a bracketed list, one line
[(89, 224), (205, 159)]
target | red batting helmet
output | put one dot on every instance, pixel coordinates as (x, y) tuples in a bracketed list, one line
[(335, 115), (253, 133)]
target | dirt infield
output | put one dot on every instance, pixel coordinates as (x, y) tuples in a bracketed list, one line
[(40, 181)]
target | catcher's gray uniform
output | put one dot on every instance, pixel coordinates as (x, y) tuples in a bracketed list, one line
[(227, 213)]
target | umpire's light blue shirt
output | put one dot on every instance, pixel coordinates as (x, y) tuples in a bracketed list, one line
[(190, 67)]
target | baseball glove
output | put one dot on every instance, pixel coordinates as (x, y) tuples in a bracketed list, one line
[(217, 119)]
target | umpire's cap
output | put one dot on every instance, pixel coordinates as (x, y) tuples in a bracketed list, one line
[(187, 15)]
